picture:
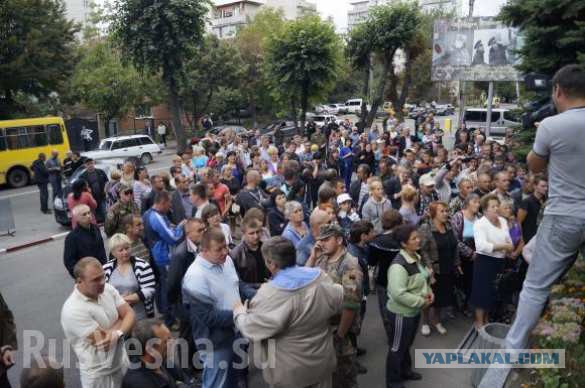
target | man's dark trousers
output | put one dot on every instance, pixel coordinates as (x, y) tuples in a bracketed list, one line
[(44, 195)]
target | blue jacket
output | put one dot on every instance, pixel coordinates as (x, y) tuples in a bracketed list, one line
[(160, 236)]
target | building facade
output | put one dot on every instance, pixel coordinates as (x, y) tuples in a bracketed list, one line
[(78, 10), (360, 9), (226, 17)]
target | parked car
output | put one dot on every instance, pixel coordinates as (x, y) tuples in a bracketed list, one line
[(237, 129), (444, 109), (60, 210), (321, 120), (355, 105), (476, 118), (138, 146)]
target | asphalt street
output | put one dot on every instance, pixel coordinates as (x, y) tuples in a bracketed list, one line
[(31, 224)]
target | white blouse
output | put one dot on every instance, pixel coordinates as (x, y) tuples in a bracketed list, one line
[(486, 235)]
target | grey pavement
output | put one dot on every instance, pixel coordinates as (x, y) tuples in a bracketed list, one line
[(33, 225), (35, 285)]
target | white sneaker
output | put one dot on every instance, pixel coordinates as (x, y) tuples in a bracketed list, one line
[(441, 329), (425, 330)]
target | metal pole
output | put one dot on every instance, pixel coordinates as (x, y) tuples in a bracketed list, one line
[(489, 107), (461, 83)]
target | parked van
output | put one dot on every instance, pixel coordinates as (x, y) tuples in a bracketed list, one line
[(355, 105), (476, 118)]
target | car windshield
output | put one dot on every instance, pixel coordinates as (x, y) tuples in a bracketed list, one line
[(105, 145)]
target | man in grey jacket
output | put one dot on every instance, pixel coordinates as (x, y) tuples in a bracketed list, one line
[(293, 312)]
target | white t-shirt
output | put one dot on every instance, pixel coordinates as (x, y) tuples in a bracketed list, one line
[(486, 235), (162, 129), (81, 316)]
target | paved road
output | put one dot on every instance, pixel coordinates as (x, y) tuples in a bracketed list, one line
[(31, 224), (35, 285)]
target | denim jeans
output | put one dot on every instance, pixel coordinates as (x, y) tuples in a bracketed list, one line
[(558, 241), (162, 302), (222, 369)]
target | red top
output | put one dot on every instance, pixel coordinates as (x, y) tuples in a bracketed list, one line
[(85, 199)]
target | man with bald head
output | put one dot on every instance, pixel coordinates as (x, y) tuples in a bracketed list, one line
[(95, 319), (251, 196), (85, 240), (318, 217)]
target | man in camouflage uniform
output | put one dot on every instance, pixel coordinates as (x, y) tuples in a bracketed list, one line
[(123, 207), (330, 254)]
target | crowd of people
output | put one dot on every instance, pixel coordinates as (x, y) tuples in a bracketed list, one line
[(249, 240)]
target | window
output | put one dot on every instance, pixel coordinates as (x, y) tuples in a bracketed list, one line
[(120, 144), (144, 140), (37, 136), (55, 135), (508, 115), (2, 140), (228, 12), (471, 115), (16, 138)]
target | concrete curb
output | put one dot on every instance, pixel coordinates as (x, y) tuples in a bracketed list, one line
[(55, 237)]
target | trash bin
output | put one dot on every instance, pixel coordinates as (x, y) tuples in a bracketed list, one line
[(490, 336)]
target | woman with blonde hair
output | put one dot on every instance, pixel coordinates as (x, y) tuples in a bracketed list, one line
[(131, 276), (409, 196)]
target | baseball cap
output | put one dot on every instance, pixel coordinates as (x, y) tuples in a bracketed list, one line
[(123, 187), (426, 180), (329, 230), (341, 198)]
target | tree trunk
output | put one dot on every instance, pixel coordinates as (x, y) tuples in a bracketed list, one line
[(365, 93), (293, 106), (175, 108), (379, 96), (403, 92), (252, 108), (304, 104)]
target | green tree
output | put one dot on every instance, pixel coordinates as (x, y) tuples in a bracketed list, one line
[(156, 35), (251, 41), (390, 28), (212, 65), (37, 44), (303, 61), (553, 32), (360, 49), (104, 83)]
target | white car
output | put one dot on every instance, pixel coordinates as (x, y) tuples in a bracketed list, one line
[(137, 146), (321, 120)]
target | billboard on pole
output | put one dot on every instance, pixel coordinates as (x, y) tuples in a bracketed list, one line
[(476, 49)]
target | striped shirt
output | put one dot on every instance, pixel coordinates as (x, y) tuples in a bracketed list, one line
[(144, 276)]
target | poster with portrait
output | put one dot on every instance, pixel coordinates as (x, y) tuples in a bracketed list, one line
[(476, 49)]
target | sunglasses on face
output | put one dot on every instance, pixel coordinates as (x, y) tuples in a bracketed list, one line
[(128, 192)]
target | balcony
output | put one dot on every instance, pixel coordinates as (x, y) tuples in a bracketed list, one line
[(232, 20)]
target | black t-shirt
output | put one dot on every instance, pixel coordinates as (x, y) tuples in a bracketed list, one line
[(532, 207), (446, 247), (383, 249)]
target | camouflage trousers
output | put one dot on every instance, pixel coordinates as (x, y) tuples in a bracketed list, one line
[(345, 374)]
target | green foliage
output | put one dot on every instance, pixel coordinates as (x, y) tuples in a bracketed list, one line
[(212, 65), (553, 32), (303, 60), (37, 44), (251, 42), (104, 83), (392, 27), (157, 36)]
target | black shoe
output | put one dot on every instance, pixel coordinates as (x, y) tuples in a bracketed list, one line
[(361, 352), (47, 211), (412, 376), (362, 370)]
